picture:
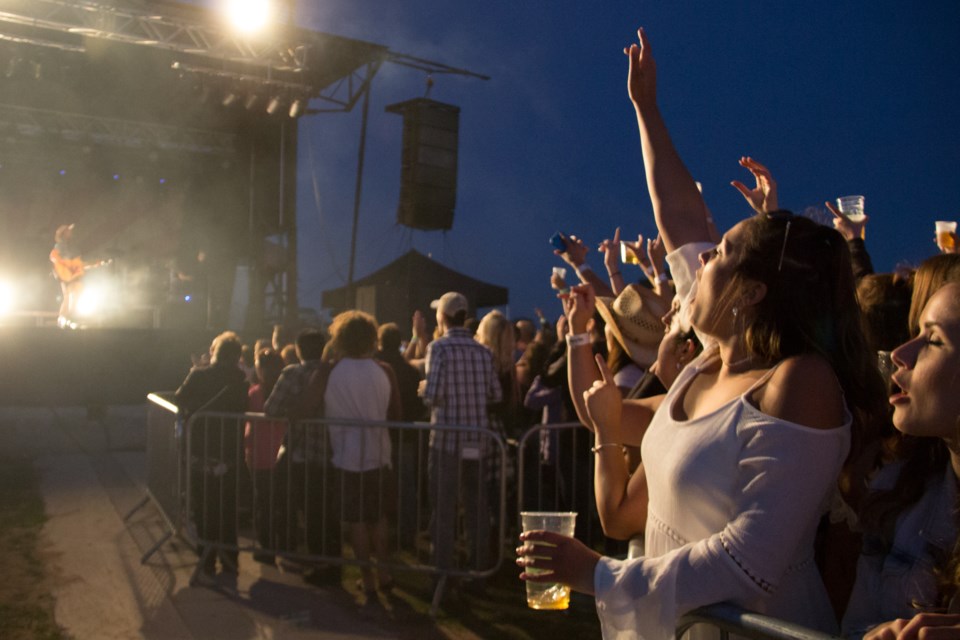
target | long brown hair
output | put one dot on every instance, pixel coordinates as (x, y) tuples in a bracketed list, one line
[(932, 274), (811, 307)]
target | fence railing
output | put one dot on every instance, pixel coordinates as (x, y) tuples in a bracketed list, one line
[(231, 483), (730, 620)]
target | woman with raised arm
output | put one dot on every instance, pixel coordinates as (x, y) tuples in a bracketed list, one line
[(738, 462)]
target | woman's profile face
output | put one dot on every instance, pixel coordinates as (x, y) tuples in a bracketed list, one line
[(717, 268), (928, 371)]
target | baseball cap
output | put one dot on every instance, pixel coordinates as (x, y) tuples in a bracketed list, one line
[(450, 303)]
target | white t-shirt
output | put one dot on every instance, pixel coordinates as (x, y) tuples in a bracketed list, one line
[(358, 389)]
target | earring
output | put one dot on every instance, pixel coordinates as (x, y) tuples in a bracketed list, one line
[(679, 365), (735, 311)]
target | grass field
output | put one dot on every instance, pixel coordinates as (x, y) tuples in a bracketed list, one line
[(26, 606)]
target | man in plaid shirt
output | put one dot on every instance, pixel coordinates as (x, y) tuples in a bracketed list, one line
[(460, 382)]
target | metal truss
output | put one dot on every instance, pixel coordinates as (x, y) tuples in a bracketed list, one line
[(72, 127), (140, 27)]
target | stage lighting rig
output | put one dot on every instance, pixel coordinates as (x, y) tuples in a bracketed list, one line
[(249, 16), (274, 105)]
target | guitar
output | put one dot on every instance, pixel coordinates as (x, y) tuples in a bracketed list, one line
[(69, 269)]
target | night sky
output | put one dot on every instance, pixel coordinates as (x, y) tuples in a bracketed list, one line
[(836, 97)]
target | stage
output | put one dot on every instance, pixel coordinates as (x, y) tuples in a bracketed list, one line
[(94, 367)]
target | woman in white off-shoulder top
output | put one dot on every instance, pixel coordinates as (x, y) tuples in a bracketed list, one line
[(741, 458)]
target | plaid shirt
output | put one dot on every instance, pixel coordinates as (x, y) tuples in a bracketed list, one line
[(305, 442), (461, 382)]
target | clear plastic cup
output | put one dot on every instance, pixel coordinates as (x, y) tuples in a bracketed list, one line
[(852, 207), (627, 256), (946, 235), (544, 595)]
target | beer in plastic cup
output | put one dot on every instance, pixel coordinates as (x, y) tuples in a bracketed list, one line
[(543, 595), (627, 256), (946, 235), (852, 207)]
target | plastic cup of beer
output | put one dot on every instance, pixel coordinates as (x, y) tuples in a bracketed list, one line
[(946, 235), (544, 595), (627, 256), (852, 207)]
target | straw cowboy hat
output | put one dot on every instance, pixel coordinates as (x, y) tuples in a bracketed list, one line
[(634, 318)]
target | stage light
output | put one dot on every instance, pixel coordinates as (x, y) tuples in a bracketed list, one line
[(6, 298), (296, 109), (230, 99), (251, 101), (273, 106), (91, 301), (249, 16), (63, 172)]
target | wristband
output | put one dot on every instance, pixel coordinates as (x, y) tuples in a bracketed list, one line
[(579, 339), (583, 268), (613, 273), (661, 278), (597, 448)]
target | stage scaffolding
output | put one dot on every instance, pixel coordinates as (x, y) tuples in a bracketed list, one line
[(164, 77)]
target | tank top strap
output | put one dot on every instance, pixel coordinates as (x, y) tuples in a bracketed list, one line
[(763, 379)]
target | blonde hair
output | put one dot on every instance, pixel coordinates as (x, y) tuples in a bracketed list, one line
[(496, 333)]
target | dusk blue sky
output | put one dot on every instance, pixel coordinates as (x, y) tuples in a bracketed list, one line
[(836, 97)]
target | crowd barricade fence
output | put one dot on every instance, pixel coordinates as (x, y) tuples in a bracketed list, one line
[(299, 501), (731, 620), (555, 473), (312, 483), (164, 467)]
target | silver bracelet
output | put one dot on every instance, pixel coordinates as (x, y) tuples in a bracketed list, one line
[(597, 448)]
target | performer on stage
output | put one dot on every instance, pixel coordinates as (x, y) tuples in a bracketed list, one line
[(69, 269)]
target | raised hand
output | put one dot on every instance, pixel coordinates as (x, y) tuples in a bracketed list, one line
[(563, 559), (642, 75), (604, 404), (611, 252), (763, 197), (576, 252), (849, 230), (579, 306), (420, 325), (657, 254), (639, 251)]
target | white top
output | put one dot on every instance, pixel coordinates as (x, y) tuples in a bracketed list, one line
[(358, 389), (735, 497)]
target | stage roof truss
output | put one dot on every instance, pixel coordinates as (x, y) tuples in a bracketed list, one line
[(345, 92), (133, 26), (73, 127)]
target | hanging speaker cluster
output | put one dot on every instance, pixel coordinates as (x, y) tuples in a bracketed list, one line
[(428, 176)]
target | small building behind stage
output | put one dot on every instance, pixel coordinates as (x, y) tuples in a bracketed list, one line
[(409, 283)]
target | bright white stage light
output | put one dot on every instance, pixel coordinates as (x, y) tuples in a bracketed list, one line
[(249, 16), (6, 298), (91, 301)]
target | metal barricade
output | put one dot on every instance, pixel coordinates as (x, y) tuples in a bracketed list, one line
[(730, 619), (322, 487), (164, 466), (555, 473)]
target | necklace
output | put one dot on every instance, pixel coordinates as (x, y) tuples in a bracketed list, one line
[(737, 363)]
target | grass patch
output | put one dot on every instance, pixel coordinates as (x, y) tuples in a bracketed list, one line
[(26, 605)]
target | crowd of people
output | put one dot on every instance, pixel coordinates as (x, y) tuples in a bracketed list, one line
[(747, 439), (776, 451)]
